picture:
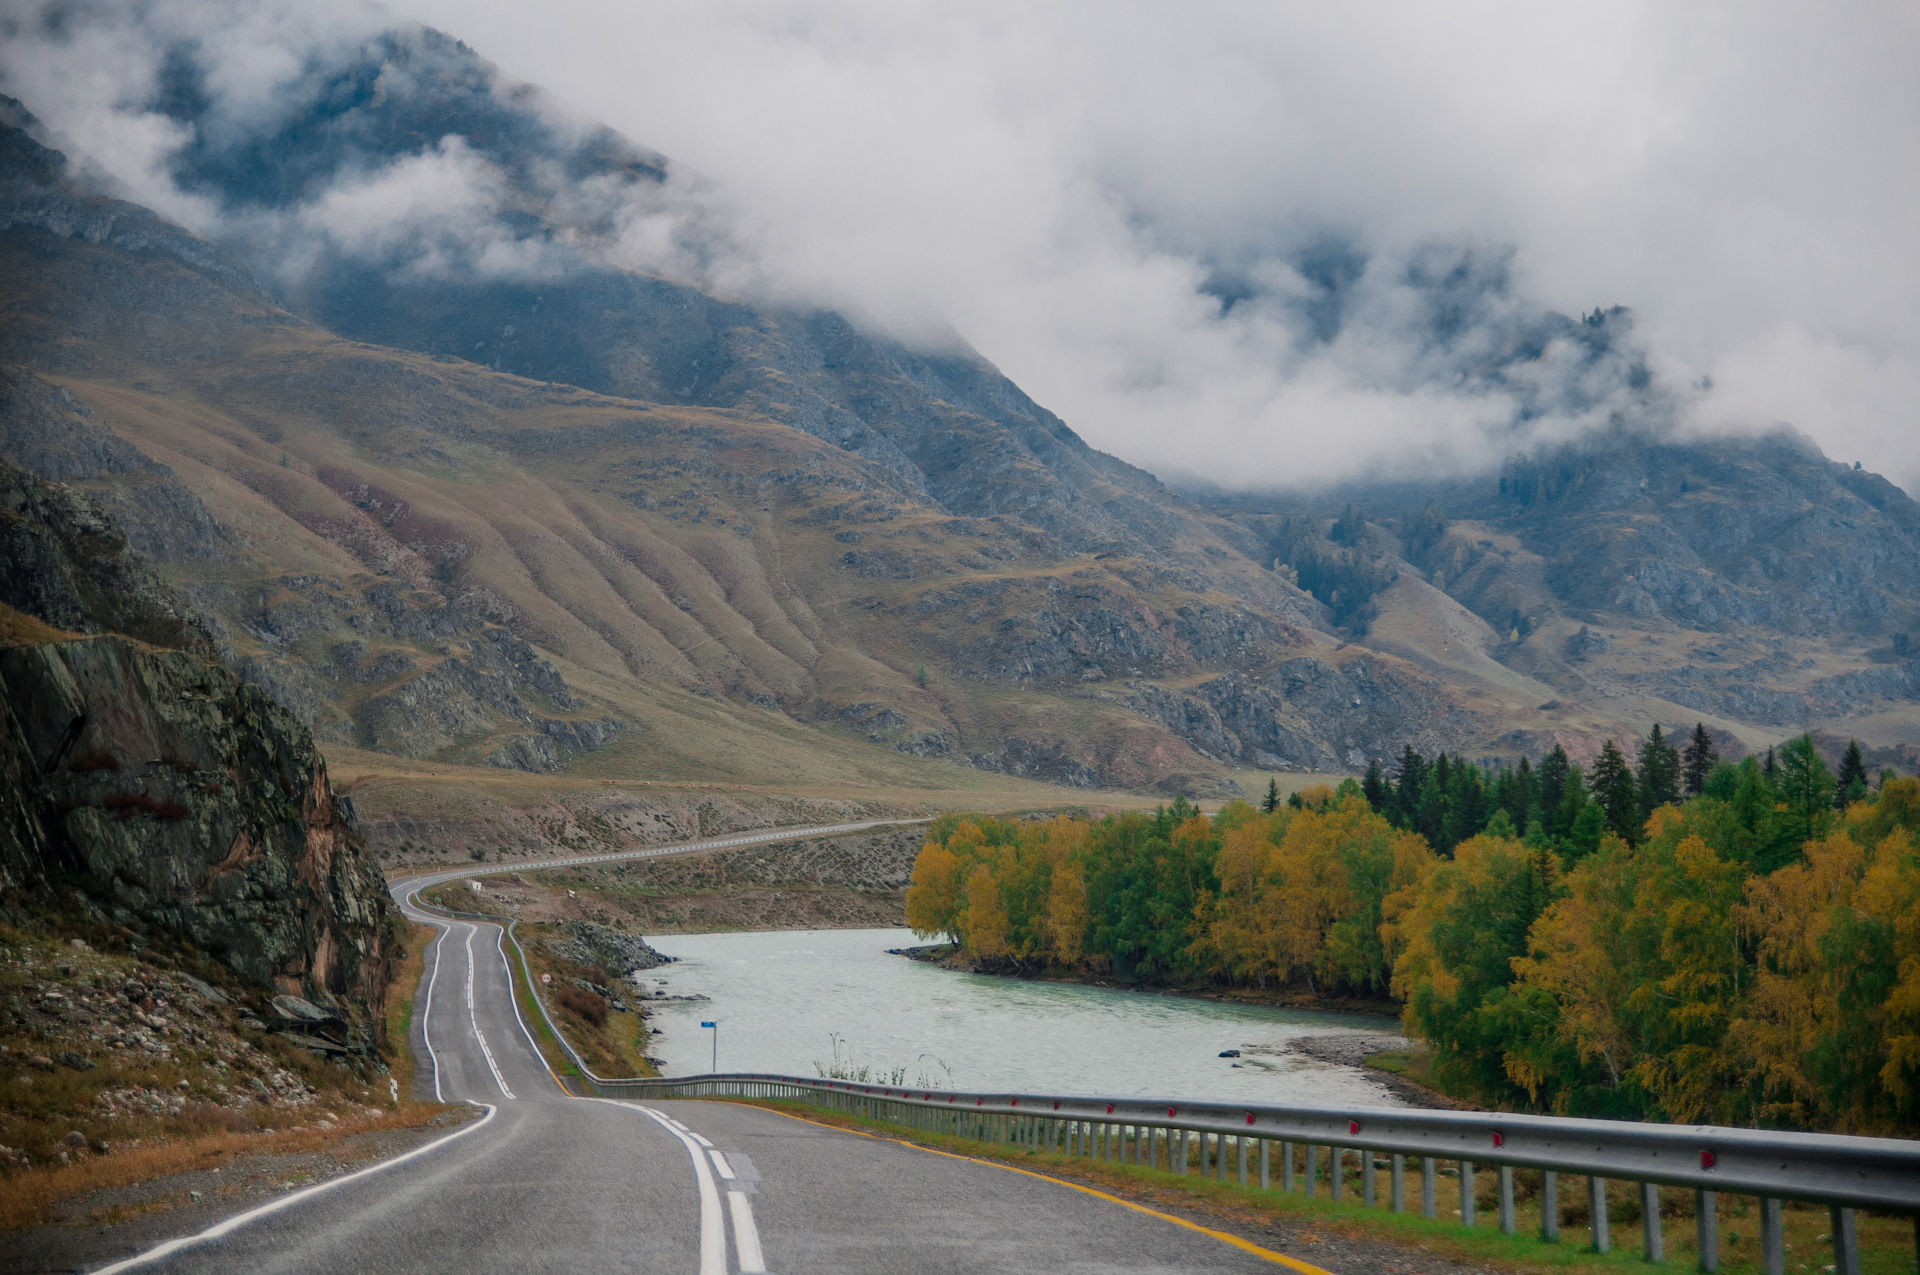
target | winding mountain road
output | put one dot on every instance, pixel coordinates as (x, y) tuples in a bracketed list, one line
[(545, 1181)]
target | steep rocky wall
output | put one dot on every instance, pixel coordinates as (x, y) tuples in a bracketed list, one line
[(181, 797)]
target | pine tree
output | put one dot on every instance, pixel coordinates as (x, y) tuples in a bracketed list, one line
[(1553, 780), (1659, 777), (1573, 800), (1272, 803), (1698, 761), (1617, 794), (1408, 787), (1806, 787), (1770, 767), (1374, 787), (1851, 783)]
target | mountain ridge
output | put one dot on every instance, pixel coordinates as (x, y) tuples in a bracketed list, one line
[(476, 549)]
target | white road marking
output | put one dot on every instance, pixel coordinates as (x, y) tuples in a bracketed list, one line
[(746, 1236), (721, 1166), (713, 1232), (472, 1018), (239, 1220), (426, 1014)]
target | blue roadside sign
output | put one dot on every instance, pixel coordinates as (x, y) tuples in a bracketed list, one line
[(706, 1024)]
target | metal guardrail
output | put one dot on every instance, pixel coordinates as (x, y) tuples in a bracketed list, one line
[(1844, 1172)]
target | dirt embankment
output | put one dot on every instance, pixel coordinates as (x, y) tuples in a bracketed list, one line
[(847, 882), (415, 823)]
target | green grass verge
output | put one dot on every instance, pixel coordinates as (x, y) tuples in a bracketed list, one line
[(1886, 1242)]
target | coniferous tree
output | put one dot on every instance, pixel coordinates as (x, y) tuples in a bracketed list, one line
[(1374, 787), (1272, 802), (1466, 806), (1407, 788), (1616, 792), (1659, 777), (1553, 779), (1697, 762), (1851, 783), (1806, 787), (1770, 767), (1573, 799)]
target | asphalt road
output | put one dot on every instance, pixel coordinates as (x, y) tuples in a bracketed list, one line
[(548, 1182)]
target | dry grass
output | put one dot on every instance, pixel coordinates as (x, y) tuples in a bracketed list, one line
[(30, 1196), (20, 629), (406, 980)]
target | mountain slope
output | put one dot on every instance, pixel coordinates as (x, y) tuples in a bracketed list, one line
[(514, 481)]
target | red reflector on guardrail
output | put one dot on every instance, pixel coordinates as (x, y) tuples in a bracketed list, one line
[(1109, 1108), (1707, 1160), (1353, 1126), (1056, 1105), (1172, 1112), (1499, 1139)]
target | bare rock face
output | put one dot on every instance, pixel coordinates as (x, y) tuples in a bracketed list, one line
[(186, 798), (160, 785)]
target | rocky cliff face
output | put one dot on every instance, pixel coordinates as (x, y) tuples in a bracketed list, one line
[(182, 797), (167, 791)]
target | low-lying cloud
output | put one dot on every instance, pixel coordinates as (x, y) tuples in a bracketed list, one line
[(1251, 243)]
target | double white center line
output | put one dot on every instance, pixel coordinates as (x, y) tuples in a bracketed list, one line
[(713, 1240)]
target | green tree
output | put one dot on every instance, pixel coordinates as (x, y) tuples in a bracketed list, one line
[(1659, 777), (1374, 787), (1552, 780), (1699, 759), (1851, 783), (1806, 788), (1616, 792), (1272, 801)]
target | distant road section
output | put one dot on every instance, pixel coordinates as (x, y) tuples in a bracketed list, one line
[(435, 876)]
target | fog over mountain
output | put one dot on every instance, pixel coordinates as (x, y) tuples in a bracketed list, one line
[(1249, 244)]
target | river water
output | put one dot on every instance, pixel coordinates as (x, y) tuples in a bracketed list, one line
[(781, 999)]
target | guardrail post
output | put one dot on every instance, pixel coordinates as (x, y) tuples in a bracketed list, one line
[(1706, 1234), (1652, 1242), (1242, 1149), (1597, 1212), (1466, 1192), (1313, 1168), (1286, 1166), (1397, 1184), (1266, 1155), (1179, 1159), (1220, 1157), (1506, 1199), (1426, 1186), (1366, 1178), (1549, 1206), (1336, 1165), (1773, 1255), (1846, 1247)]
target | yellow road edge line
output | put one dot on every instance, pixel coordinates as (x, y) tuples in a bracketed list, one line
[(1232, 1241)]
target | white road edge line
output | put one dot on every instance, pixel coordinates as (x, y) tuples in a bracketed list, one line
[(239, 1220), (513, 997), (426, 1014), (713, 1233)]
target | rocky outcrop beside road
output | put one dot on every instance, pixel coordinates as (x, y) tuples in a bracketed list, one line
[(187, 800)]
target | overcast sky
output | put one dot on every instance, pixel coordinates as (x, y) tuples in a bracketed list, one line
[(1068, 185)]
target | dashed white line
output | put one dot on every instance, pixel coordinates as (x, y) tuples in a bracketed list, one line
[(474, 1019)]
